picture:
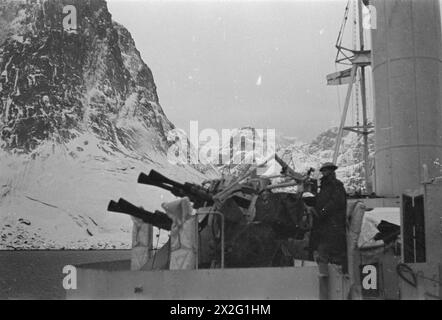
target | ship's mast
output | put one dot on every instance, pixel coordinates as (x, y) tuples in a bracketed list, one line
[(365, 128), (358, 60)]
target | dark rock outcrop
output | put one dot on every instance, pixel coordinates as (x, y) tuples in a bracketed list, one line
[(56, 83)]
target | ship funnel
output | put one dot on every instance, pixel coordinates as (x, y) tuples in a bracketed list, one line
[(406, 65)]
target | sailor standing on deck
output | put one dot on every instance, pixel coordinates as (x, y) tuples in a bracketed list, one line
[(328, 240)]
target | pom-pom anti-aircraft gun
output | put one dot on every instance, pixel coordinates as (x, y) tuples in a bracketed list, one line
[(256, 220)]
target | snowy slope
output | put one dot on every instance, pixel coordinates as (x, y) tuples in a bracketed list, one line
[(64, 197), (350, 160), (79, 120)]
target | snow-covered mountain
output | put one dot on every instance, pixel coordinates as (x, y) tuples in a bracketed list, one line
[(301, 155), (243, 147), (79, 120), (321, 149)]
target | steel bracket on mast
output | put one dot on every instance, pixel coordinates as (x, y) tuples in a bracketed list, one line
[(358, 57), (355, 129), (361, 58)]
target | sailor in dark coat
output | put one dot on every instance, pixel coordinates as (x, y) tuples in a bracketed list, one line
[(328, 239)]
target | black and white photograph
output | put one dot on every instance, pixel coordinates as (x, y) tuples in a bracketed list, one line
[(220, 155)]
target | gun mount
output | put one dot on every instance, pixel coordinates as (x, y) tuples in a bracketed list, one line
[(257, 221)]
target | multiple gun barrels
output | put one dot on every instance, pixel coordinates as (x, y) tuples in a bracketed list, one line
[(197, 194)]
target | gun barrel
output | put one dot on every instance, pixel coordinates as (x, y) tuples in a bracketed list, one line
[(145, 179), (158, 219), (287, 170), (157, 179), (196, 194)]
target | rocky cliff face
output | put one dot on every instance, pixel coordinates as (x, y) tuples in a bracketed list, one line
[(57, 84), (79, 120)]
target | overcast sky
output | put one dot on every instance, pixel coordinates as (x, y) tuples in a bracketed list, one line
[(232, 64)]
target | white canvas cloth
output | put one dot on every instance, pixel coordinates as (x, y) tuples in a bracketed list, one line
[(370, 222), (182, 235), (141, 244), (355, 216), (361, 229)]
